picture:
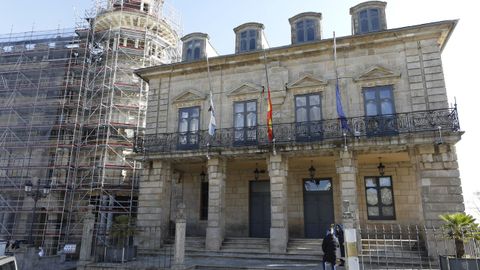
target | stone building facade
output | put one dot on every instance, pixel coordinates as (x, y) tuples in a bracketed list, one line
[(393, 160)]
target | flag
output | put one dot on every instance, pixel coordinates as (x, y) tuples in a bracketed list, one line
[(340, 112), (213, 124), (269, 117)]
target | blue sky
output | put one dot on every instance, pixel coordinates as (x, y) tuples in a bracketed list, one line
[(219, 17)]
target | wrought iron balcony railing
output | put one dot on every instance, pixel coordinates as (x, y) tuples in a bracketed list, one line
[(305, 132)]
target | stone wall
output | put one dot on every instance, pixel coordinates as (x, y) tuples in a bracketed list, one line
[(405, 191), (408, 203), (413, 69)]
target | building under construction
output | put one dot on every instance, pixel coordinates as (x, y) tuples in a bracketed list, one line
[(70, 110)]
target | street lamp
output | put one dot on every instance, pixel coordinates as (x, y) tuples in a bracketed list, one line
[(36, 194)]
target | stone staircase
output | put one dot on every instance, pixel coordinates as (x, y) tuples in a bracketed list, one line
[(253, 253)]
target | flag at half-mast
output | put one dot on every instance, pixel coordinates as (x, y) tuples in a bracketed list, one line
[(269, 116), (338, 97), (213, 123)]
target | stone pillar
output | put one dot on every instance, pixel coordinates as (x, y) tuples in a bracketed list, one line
[(87, 237), (154, 205), (347, 174), (180, 231), (439, 180), (278, 171), (216, 203)]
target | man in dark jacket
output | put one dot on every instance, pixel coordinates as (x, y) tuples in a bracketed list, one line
[(329, 246)]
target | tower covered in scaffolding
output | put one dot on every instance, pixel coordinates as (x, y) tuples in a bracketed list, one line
[(70, 110)]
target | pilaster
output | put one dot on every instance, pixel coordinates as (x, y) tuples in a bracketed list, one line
[(216, 203), (439, 181), (153, 204), (278, 171), (346, 165)]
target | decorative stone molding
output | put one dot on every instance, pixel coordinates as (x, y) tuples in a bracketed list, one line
[(307, 84), (245, 91), (190, 97), (377, 76), (376, 73)]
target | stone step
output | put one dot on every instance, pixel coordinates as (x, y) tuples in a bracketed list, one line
[(242, 254), (246, 240)]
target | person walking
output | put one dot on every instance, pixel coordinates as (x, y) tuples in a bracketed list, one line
[(329, 247)]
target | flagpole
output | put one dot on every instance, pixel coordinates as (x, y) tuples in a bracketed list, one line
[(269, 104), (213, 123), (340, 112), (335, 55)]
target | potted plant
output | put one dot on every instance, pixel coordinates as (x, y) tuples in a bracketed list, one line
[(461, 228), (120, 233)]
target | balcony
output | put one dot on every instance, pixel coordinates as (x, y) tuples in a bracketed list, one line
[(445, 120)]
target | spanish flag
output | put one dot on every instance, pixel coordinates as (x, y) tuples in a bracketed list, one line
[(269, 117)]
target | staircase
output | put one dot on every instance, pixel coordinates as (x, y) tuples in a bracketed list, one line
[(254, 253)]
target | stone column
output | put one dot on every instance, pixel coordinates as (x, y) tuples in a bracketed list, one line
[(154, 205), (278, 171), (347, 174), (180, 231), (87, 237), (439, 180), (216, 203)]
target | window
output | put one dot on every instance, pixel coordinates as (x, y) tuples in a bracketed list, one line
[(188, 125), (204, 201), (380, 111), (245, 122), (193, 50), (308, 116), (248, 40), (379, 197), (369, 20), (305, 30)]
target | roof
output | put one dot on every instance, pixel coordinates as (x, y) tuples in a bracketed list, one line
[(440, 30)]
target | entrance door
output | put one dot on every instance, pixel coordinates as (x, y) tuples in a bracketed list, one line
[(259, 205), (318, 207)]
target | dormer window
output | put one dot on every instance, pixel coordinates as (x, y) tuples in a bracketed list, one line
[(368, 17), (196, 46), (249, 37), (305, 30), (248, 40), (306, 27), (369, 20), (193, 50)]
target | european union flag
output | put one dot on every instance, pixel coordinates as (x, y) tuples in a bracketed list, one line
[(340, 112)]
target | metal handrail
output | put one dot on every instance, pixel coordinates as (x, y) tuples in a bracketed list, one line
[(287, 133)]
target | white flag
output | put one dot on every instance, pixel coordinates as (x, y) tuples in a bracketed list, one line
[(213, 124)]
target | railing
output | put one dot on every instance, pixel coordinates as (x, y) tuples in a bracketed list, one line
[(372, 126), (390, 246)]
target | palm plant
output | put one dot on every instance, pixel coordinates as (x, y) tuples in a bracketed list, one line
[(121, 229), (461, 228)]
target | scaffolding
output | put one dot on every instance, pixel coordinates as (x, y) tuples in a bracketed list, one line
[(70, 110)]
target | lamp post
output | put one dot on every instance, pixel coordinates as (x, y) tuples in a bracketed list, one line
[(36, 194)]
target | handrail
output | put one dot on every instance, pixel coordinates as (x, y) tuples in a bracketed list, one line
[(287, 133)]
